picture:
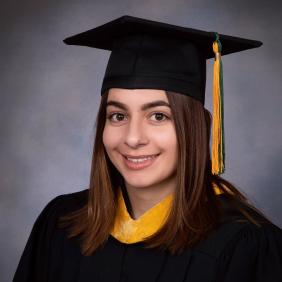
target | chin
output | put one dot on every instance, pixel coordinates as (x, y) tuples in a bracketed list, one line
[(138, 184)]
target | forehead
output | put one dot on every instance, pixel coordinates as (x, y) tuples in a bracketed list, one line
[(136, 96)]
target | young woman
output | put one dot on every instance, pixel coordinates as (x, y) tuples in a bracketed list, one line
[(155, 210)]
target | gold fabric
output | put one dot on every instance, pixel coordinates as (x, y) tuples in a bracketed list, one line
[(129, 230)]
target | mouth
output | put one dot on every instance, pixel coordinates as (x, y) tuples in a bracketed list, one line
[(139, 162)]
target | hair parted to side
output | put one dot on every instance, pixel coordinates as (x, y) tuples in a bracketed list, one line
[(196, 209)]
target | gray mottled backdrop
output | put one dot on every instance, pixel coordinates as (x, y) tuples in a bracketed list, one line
[(50, 94)]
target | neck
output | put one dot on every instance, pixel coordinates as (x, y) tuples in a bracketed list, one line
[(141, 199)]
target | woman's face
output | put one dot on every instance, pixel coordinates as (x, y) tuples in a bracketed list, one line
[(134, 129)]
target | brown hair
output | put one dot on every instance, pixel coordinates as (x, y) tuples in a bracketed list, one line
[(196, 209)]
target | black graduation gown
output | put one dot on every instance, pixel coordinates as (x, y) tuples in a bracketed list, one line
[(234, 252)]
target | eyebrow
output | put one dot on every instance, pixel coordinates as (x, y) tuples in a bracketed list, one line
[(144, 106)]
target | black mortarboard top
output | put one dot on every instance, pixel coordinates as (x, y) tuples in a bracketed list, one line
[(156, 55)]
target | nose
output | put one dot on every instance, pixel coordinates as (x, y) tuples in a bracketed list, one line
[(135, 134)]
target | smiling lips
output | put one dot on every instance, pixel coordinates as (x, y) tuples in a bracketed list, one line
[(139, 157), (139, 162)]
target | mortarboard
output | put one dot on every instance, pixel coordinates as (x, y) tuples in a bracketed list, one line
[(155, 55)]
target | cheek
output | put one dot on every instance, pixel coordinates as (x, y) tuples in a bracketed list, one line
[(166, 139), (111, 137)]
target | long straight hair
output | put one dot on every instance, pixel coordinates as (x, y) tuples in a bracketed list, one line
[(195, 210)]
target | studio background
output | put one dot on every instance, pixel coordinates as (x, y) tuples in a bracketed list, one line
[(50, 92)]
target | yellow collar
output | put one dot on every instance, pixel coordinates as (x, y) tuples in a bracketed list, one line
[(128, 230)]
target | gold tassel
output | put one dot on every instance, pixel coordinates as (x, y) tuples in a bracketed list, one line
[(218, 153)]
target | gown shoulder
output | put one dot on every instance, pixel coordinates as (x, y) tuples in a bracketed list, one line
[(237, 250), (243, 250), (33, 262), (253, 254)]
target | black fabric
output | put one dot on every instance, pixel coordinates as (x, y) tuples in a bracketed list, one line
[(156, 55), (235, 251)]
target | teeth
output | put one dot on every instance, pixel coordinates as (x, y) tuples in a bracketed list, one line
[(139, 160)]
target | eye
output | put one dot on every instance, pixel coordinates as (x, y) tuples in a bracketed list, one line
[(159, 116), (110, 116), (119, 117)]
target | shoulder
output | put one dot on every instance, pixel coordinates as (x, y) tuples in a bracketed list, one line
[(235, 231), (45, 241), (71, 201), (46, 222), (252, 239), (242, 250), (253, 254), (239, 251), (62, 204)]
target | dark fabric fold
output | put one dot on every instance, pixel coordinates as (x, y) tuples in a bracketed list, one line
[(236, 251)]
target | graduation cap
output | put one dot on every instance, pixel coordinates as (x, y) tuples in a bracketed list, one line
[(156, 55)]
